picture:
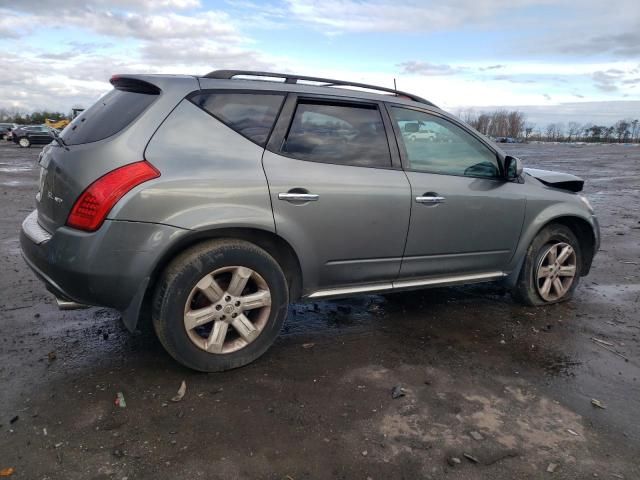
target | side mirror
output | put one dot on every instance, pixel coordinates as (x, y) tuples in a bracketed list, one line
[(513, 167)]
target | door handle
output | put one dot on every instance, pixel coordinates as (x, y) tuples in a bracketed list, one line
[(430, 199), (299, 197)]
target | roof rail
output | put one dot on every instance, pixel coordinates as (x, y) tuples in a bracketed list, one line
[(327, 82)]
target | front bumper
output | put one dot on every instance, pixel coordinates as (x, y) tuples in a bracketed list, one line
[(108, 268)]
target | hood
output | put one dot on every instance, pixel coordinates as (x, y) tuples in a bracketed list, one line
[(564, 181)]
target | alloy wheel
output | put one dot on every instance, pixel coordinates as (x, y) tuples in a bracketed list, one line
[(556, 271), (227, 309)]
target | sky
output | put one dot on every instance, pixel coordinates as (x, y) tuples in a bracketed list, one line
[(556, 60)]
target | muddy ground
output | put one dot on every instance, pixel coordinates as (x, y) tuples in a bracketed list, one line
[(318, 404)]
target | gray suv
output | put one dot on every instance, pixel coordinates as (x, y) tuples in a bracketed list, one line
[(212, 202)]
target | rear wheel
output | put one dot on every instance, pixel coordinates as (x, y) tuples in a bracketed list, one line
[(551, 269), (220, 305), (24, 142)]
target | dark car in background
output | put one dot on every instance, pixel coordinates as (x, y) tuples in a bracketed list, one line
[(32, 134), (5, 129)]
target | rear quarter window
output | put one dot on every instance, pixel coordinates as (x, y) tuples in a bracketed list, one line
[(109, 115), (250, 114)]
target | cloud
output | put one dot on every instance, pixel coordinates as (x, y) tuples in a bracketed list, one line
[(33, 6), (592, 29), (626, 44), (426, 68), (210, 54), (491, 67), (513, 79), (606, 81), (339, 16)]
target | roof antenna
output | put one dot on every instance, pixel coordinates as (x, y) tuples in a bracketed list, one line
[(395, 87)]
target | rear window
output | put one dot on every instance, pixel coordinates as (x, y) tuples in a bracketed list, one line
[(107, 116), (340, 134), (250, 114)]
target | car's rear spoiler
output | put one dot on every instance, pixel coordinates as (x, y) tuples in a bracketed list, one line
[(132, 84)]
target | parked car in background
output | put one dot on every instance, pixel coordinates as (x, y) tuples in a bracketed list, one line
[(32, 135), (286, 191), (5, 129)]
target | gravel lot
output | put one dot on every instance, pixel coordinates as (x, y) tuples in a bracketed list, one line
[(318, 404)]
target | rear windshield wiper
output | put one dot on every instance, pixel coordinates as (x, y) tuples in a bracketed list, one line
[(58, 139)]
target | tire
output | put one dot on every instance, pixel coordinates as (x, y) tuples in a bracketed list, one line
[(185, 289), (530, 288), (24, 142)]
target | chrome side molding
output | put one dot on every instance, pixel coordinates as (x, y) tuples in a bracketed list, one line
[(408, 284), (451, 280), (337, 292)]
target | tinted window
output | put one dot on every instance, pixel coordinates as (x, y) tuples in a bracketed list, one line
[(249, 114), (107, 116), (435, 145), (342, 134)]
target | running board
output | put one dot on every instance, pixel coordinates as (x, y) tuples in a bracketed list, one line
[(408, 284)]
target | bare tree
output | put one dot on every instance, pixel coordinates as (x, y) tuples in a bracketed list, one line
[(621, 129), (635, 130), (528, 130), (573, 130)]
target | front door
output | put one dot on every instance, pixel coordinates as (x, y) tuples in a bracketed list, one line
[(465, 218), (336, 195)]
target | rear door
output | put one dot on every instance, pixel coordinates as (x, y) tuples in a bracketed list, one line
[(465, 218), (338, 193)]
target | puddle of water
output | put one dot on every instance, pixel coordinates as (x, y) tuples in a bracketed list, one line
[(16, 183), (17, 168)]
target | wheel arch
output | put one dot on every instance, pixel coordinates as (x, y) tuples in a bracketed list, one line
[(585, 234), (581, 228), (273, 244)]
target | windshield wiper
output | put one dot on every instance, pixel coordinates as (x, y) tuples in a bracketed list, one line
[(58, 139)]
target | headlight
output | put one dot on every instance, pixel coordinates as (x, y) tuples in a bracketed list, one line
[(586, 202)]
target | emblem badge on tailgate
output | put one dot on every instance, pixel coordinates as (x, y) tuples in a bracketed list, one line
[(53, 197)]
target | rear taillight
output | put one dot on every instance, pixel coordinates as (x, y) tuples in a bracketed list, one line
[(98, 199)]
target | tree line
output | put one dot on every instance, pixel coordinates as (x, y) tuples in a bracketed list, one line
[(35, 118), (513, 124)]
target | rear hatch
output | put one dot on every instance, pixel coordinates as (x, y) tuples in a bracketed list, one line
[(96, 142)]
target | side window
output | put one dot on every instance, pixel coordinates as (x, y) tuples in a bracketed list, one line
[(338, 133), (249, 114), (435, 145)]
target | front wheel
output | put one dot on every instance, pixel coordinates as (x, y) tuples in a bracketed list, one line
[(551, 269), (24, 142), (220, 305)]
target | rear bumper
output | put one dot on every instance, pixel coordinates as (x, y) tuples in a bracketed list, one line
[(110, 267)]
